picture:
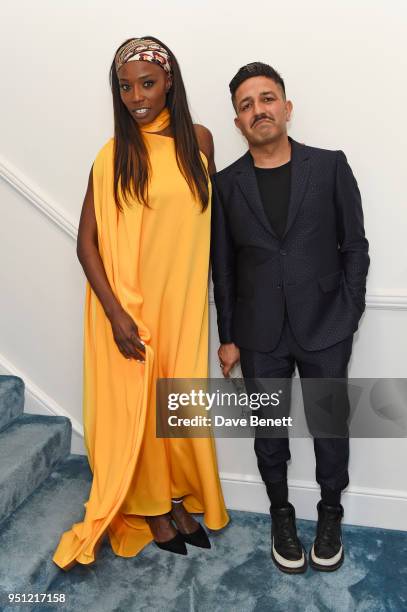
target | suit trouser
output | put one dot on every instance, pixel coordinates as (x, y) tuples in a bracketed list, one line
[(331, 453)]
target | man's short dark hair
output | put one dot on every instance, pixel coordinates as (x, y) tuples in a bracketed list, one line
[(253, 70)]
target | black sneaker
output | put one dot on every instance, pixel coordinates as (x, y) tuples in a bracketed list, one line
[(287, 551), (327, 551)]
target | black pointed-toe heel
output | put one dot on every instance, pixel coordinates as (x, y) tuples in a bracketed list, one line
[(197, 538), (175, 545)]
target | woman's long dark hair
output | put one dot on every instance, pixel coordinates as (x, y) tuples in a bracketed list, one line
[(131, 159)]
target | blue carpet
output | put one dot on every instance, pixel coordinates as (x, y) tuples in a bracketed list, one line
[(237, 575), (11, 399), (29, 448), (29, 536)]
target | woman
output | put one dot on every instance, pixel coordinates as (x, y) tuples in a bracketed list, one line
[(143, 243)]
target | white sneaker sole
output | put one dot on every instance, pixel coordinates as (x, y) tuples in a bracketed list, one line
[(327, 565), (286, 565)]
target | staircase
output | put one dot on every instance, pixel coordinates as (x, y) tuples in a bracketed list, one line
[(42, 491)]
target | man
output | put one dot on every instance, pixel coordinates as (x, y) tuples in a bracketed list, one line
[(289, 262)]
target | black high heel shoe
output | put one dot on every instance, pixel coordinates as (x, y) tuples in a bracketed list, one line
[(175, 545), (197, 538)]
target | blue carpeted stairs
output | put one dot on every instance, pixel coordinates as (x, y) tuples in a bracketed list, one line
[(42, 491)]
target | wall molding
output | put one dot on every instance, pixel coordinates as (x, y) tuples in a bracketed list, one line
[(375, 301), (33, 195), (383, 301)]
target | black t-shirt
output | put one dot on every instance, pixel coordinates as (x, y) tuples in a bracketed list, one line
[(274, 188)]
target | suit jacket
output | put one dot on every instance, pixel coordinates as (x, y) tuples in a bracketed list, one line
[(318, 267)]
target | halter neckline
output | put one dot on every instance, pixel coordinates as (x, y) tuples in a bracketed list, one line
[(158, 124)]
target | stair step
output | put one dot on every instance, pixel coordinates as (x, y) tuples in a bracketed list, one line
[(29, 537), (30, 448), (11, 399)]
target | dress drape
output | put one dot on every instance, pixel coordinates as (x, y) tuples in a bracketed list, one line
[(156, 260)]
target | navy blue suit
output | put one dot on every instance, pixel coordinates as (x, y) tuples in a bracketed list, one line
[(294, 301), (318, 268)]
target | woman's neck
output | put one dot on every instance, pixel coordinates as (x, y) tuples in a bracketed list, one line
[(159, 125)]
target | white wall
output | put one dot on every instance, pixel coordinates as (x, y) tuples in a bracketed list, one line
[(344, 64)]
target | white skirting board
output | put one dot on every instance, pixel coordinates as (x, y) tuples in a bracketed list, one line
[(362, 506)]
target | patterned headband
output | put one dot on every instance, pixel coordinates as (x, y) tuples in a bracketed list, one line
[(145, 50)]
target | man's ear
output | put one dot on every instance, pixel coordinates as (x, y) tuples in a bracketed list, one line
[(237, 123), (288, 109)]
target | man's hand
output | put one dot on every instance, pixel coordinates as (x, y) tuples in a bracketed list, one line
[(229, 355)]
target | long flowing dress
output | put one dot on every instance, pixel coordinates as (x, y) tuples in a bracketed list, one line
[(156, 260)]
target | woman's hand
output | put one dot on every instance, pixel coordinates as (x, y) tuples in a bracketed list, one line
[(125, 333)]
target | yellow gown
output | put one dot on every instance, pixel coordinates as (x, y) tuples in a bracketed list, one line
[(156, 260)]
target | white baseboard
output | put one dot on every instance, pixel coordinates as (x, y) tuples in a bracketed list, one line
[(38, 402), (363, 506)]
